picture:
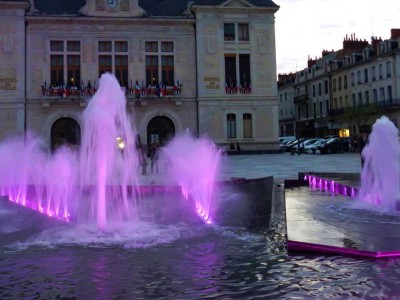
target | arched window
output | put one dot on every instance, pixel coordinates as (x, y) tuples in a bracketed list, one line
[(65, 131), (247, 126), (231, 126)]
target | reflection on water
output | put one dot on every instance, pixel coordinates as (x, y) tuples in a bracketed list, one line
[(204, 262)]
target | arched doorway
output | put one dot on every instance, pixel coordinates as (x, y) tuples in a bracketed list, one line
[(65, 131), (160, 129)]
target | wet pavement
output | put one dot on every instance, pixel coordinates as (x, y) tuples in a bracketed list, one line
[(280, 166)]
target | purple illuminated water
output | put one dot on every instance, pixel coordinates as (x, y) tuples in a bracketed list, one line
[(99, 183), (194, 165), (380, 177)]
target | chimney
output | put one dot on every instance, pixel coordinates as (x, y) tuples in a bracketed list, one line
[(311, 62), (353, 44), (394, 33)]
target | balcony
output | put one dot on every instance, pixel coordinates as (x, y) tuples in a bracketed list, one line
[(234, 89), (301, 99), (75, 94)]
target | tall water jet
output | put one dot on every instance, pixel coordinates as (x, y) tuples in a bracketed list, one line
[(380, 177), (108, 158)]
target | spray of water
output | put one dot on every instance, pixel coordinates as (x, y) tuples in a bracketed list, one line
[(98, 183), (193, 164), (380, 177)]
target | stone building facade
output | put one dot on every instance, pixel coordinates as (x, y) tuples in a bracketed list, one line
[(345, 91), (206, 66)]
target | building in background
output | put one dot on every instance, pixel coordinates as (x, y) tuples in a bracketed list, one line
[(344, 92), (206, 66)]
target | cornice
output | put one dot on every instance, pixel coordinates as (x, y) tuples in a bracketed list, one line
[(96, 20), (14, 5), (248, 10)]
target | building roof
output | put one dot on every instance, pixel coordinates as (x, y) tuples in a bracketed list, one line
[(152, 7), (264, 3)]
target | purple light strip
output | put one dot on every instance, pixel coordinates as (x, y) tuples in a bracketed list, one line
[(310, 247), (329, 185), (348, 191), (65, 217)]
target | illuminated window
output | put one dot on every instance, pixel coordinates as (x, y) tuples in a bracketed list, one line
[(65, 63)]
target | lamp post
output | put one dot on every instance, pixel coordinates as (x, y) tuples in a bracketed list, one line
[(296, 133)]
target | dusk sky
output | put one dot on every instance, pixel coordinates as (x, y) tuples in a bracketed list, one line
[(306, 27)]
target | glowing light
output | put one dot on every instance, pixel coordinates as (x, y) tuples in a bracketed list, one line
[(120, 143)]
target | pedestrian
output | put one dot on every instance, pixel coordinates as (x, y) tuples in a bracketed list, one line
[(238, 147)]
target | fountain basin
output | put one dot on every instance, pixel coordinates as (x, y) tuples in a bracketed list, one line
[(320, 218)]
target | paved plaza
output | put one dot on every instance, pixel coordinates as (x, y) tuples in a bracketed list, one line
[(286, 166), (280, 166)]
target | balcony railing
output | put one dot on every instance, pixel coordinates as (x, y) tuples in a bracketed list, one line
[(151, 91), (300, 98), (377, 106), (241, 89)]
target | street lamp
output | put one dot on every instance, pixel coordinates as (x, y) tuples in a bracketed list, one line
[(296, 133)]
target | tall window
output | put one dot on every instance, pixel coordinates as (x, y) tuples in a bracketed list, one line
[(65, 63), (230, 70), (243, 32), (389, 93), (160, 61), (247, 126), (388, 69), (167, 66), (373, 75), (382, 92), (345, 82), (320, 109), (375, 95), (74, 70), (236, 31), (57, 70), (121, 69), (365, 75), (237, 64), (244, 69), (113, 58), (229, 31), (231, 126)]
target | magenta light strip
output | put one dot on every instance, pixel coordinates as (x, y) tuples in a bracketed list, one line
[(310, 247), (65, 217), (331, 186)]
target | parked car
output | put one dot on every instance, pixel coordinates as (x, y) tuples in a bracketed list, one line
[(290, 144), (328, 137), (313, 147), (283, 140), (331, 146), (305, 144)]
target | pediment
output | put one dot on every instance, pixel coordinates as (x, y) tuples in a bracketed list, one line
[(236, 3), (114, 8)]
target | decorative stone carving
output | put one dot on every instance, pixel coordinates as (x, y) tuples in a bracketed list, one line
[(211, 44)]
